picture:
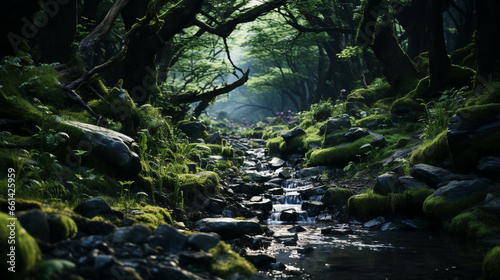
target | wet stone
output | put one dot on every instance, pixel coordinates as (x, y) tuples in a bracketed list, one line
[(378, 221), (389, 226)]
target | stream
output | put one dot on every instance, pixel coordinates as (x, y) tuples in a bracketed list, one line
[(347, 249)]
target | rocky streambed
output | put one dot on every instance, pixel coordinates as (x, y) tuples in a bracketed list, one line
[(287, 220)]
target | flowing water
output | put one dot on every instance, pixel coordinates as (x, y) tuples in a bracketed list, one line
[(351, 251), (357, 253)]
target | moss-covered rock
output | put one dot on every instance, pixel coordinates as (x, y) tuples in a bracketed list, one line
[(453, 198), (273, 145), (368, 205), (336, 197), (474, 224), (377, 90), (374, 121), (410, 202), (227, 262), (407, 107), (204, 183), (340, 156), (422, 89), (27, 253), (491, 264), (474, 133), (193, 129), (485, 93), (154, 216), (433, 153), (465, 56), (422, 63), (62, 227)]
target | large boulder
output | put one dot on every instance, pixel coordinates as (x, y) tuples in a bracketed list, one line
[(291, 134), (167, 237), (456, 196), (192, 129), (36, 224), (313, 208), (387, 183), (433, 176), (203, 241), (228, 228), (108, 151)]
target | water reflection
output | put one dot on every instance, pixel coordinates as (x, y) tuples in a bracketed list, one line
[(380, 255)]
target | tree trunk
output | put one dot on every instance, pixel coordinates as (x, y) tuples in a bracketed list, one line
[(439, 63), (397, 67), (140, 73), (413, 20), (488, 28)]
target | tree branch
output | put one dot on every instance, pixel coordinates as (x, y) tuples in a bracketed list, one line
[(196, 96), (88, 44)]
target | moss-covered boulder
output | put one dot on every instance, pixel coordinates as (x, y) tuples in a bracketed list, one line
[(200, 183), (407, 107), (340, 156), (336, 197), (454, 197), (433, 153), (491, 264), (375, 121), (474, 224), (19, 253), (193, 129), (61, 227), (226, 262), (368, 205), (474, 133)]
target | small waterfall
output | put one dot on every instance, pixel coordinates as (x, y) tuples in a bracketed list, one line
[(287, 208)]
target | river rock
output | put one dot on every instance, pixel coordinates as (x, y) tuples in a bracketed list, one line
[(195, 259), (170, 272), (459, 190), (203, 240), (262, 204), (389, 226), (137, 234), (333, 124), (97, 206), (228, 228), (261, 260), (387, 183), (408, 182), (356, 133), (289, 215), (276, 163), (489, 166), (309, 191), (255, 242), (433, 175), (35, 223), (313, 208), (167, 237), (275, 191), (378, 221), (335, 139), (291, 134), (312, 171), (250, 189), (285, 173)]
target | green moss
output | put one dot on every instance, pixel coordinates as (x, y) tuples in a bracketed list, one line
[(422, 62), (407, 107), (465, 56), (489, 94), (154, 216), (273, 145), (216, 149), (375, 119), (460, 76), (368, 205), (491, 264), (16, 107), (474, 224), (433, 153), (479, 113), (410, 202), (63, 227), (294, 146), (377, 90), (27, 253), (440, 208), (227, 262), (205, 182), (336, 197), (422, 89), (340, 156)]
